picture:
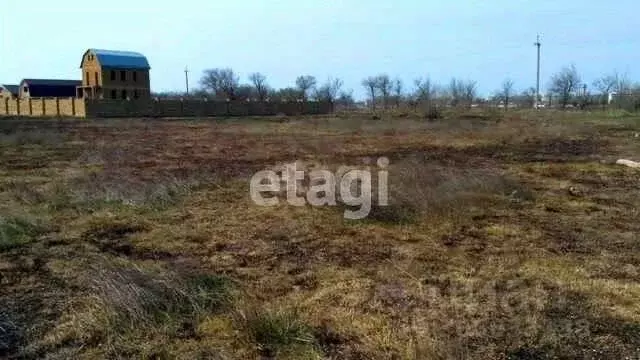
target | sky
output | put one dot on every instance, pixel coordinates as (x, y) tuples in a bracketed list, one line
[(485, 41)]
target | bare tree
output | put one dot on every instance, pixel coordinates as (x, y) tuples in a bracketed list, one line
[(371, 84), (615, 82), (469, 91), (220, 82), (245, 92), (260, 86), (624, 85), (456, 88), (286, 94), (199, 93), (606, 84), (529, 97), (329, 90), (305, 84), (506, 93), (385, 86), (346, 99), (397, 91), (424, 94), (462, 91), (425, 90), (564, 84)]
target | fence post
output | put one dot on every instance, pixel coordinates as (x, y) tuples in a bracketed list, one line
[(18, 105), (73, 107), (44, 107), (30, 107), (58, 107), (6, 106)]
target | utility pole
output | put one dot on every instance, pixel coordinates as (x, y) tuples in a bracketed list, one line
[(538, 44), (186, 78)]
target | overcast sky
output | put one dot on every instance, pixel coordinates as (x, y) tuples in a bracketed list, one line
[(486, 41)]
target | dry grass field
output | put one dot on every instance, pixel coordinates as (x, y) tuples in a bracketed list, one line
[(508, 237)]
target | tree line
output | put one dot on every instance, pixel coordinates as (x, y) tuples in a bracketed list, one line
[(383, 91), (225, 84)]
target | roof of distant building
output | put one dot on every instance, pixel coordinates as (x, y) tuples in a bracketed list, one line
[(51, 87), (13, 89), (115, 59), (51, 82)]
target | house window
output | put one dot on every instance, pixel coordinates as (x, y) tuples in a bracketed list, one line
[(113, 94), (123, 75), (113, 75), (135, 93), (135, 76), (25, 89), (87, 77), (124, 94), (97, 78)]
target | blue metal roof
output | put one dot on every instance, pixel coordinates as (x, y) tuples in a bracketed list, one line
[(50, 82), (114, 59), (51, 87), (13, 89)]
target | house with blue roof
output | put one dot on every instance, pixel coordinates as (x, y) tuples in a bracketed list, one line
[(9, 91), (36, 88), (112, 74)]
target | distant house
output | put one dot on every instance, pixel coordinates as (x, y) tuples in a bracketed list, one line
[(110, 74), (9, 91), (48, 88)]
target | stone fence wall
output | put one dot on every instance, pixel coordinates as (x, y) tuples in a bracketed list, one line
[(73, 107)]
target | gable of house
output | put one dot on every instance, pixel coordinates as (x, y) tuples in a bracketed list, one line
[(7, 90), (114, 59)]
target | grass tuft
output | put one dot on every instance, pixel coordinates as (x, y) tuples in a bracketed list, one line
[(96, 191), (18, 231), (279, 332), (394, 213), (24, 137), (10, 335), (420, 188), (125, 300), (212, 291)]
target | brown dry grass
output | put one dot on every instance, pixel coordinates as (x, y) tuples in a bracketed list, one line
[(138, 239)]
